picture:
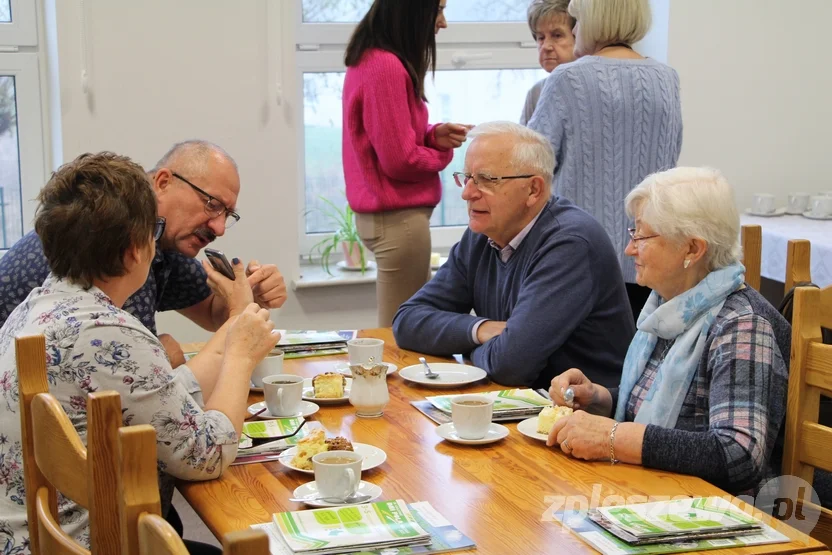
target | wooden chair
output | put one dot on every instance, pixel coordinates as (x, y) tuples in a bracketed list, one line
[(808, 445), (798, 258), (146, 532), (752, 254), (55, 459)]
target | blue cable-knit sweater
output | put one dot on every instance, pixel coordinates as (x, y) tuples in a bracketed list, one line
[(612, 122)]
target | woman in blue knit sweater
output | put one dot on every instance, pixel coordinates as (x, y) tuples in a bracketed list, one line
[(613, 117)]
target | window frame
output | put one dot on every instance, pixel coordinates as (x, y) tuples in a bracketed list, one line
[(319, 47), (22, 31), (24, 66)]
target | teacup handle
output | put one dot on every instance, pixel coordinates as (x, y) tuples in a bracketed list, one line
[(354, 480)]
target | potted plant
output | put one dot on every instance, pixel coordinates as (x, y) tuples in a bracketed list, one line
[(345, 236)]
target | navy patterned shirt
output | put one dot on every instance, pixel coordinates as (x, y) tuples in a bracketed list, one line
[(174, 282)]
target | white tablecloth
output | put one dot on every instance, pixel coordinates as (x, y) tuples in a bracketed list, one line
[(778, 230)]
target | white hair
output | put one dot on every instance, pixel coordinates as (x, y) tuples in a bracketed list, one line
[(685, 203), (532, 151), (605, 22), (192, 157)]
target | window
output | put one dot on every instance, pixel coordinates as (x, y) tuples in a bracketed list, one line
[(486, 63), (21, 132)]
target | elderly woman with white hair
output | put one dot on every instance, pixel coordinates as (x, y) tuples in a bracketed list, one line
[(703, 388), (613, 118)]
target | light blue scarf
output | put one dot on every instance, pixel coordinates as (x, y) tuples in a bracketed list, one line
[(686, 319)]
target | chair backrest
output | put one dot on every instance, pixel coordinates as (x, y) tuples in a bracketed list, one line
[(798, 268), (752, 253), (146, 532), (55, 459), (808, 444)]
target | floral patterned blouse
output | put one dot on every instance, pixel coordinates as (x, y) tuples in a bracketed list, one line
[(92, 345)]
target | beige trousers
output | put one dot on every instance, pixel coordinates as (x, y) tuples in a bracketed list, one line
[(400, 241)]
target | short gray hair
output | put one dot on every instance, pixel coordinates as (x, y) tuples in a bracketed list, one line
[(685, 203), (543, 9), (192, 157), (532, 151), (605, 22)]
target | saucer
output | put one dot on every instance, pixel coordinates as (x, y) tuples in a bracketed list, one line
[(496, 432), (310, 489), (450, 374), (777, 212), (808, 214), (306, 409), (344, 368), (309, 394), (528, 428), (373, 457), (368, 266)]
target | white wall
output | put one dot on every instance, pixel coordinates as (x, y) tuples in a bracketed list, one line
[(165, 71), (755, 91)]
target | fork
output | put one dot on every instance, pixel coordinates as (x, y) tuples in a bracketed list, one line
[(430, 374)]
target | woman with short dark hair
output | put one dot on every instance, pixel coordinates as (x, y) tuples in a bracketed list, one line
[(392, 157), (98, 224)]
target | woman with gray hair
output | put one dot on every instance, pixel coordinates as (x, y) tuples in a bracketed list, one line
[(613, 117), (551, 27), (703, 388)]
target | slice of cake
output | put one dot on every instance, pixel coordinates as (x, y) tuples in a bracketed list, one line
[(339, 444), (329, 386), (308, 447), (548, 416)]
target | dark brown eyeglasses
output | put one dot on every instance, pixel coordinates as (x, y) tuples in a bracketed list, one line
[(213, 206)]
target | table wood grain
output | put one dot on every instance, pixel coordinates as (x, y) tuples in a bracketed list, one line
[(500, 494)]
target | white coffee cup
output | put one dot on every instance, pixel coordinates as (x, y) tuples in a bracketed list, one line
[(472, 415), (820, 206), (337, 473), (360, 350), (763, 203), (269, 366), (283, 394), (798, 202)]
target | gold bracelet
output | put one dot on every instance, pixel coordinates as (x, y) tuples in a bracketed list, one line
[(613, 460)]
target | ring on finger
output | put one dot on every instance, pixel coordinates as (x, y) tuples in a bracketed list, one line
[(566, 444)]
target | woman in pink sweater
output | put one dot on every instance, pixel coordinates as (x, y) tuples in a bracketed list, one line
[(392, 157)]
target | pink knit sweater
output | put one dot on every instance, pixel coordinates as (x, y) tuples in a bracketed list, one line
[(390, 158)]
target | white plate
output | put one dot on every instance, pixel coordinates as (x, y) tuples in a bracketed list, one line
[(442, 260), (808, 214), (373, 457), (777, 212), (306, 409), (309, 394), (528, 427), (369, 265), (496, 432), (450, 374), (344, 368), (310, 489)]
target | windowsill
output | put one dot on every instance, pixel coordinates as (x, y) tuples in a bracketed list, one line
[(313, 275)]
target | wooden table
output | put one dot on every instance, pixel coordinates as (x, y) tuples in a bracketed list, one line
[(496, 494)]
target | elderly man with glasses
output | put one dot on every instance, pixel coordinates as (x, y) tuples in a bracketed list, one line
[(196, 185), (539, 273)]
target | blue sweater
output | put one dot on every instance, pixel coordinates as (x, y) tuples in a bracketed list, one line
[(561, 293), (612, 123)]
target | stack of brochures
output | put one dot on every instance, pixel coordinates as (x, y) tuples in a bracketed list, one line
[(255, 447), (371, 529), (509, 404), (309, 343), (676, 526)]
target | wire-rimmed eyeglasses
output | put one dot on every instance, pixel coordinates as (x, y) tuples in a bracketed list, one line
[(213, 206), (483, 182)]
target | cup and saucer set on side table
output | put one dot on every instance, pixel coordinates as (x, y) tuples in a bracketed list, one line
[(763, 206), (337, 481), (472, 422), (819, 207)]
